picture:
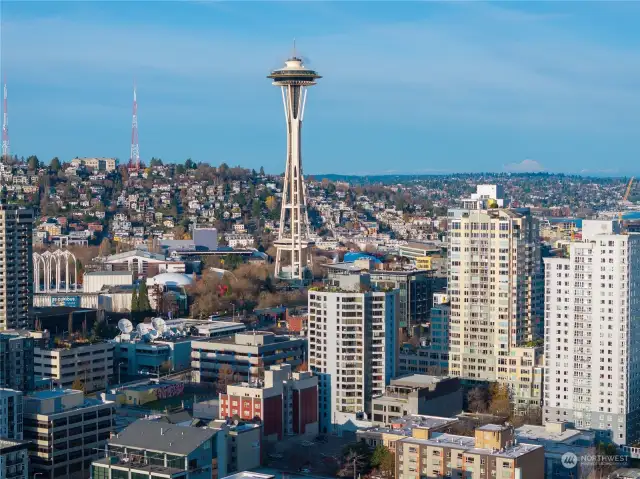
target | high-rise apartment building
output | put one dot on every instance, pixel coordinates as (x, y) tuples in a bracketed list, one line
[(353, 347), (16, 360), (495, 293), (592, 332), (10, 414), (16, 269)]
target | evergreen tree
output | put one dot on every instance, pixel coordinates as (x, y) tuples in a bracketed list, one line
[(135, 303), (143, 298)]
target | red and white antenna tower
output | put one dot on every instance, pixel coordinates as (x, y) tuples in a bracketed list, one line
[(5, 124), (134, 159)]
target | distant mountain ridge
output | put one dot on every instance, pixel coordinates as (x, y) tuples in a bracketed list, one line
[(406, 178)]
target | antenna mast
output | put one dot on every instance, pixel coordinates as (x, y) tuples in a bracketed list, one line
[(5, 124), (134, 159)]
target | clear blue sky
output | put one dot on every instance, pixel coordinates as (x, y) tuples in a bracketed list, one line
[(407, 87)]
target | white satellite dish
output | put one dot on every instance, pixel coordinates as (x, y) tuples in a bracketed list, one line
[(159, 324), (180, 327), (125, 326), (143, 329)]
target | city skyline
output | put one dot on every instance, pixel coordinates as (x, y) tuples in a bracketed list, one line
[(528, 86)]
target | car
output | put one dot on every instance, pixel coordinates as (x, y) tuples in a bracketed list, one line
[(276, 456), (305, 470)]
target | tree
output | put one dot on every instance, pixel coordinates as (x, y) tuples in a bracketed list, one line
[(261, 171), (271, 203), (478, 399), (302, 367), (226, 376), (135, 302), (105, 247), (500, 403), (77, 384), (157, 293), (143, 297), (32, 163), (189, 164), (55, 165), (383, 460)]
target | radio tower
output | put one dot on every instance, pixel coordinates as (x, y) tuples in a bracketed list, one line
[(134, 159), (5, 125), (294, 242)]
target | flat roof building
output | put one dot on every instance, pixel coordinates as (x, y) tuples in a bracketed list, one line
[(245, 355), (10, 414), (66, 430), (14, 459), (491, 453), (16, 360), (91, 364), (417, 394)]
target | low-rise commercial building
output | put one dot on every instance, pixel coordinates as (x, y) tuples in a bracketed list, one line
[(96, 281), (557, 440), (285, 401), (245, 355), (66, 431), (90, 364), (417, 394), (155, 449), (421, 427), (14, 459), (492, 453)]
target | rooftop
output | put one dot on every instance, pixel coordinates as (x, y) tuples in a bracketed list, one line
[(249, 475), (160, 437), (558, 441), (468, 444), (9, 445), (418, 380), (405, 425), (109, 273)]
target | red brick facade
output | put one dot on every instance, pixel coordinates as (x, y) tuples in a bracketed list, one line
[(305, 408)]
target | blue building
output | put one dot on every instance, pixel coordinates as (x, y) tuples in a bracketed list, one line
[(133, 357)]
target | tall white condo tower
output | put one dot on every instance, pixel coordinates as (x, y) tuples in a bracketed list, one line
[(293, 258)]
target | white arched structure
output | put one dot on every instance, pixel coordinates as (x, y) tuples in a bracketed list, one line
[(49, 268)]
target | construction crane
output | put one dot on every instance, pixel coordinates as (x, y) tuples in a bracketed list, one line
[(625, 198)]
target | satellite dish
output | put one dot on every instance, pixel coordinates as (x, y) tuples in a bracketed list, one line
[(153, 334), (125, 326), (159, 324), (180, 327), (143, 329)]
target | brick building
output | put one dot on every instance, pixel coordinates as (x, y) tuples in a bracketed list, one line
[(286, 402)]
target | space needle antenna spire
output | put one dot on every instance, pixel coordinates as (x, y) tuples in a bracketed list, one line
[(134, 158), (293, 257), (5, 123)]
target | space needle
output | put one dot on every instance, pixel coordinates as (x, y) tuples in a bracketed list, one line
[(293, 257)]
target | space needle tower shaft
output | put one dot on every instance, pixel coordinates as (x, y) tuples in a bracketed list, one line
[(293, 244)]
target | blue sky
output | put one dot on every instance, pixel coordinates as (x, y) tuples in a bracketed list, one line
[(416, 87)]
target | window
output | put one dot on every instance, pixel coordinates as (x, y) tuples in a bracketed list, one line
[(118, 474), (98, 472)]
